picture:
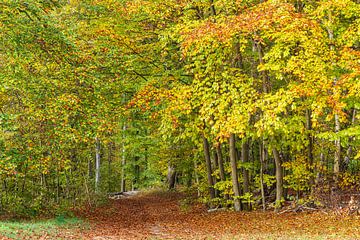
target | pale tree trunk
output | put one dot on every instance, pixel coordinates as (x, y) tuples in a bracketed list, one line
[(234, 173), (208, 167), (123, 161), (337, 148), (337, 157), (97, 164)]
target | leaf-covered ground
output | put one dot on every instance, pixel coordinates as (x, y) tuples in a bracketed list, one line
[(165, 216)]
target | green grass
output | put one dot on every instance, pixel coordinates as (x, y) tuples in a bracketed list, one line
[(55, 228)]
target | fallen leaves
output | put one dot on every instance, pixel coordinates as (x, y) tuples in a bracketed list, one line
[(158, 216)]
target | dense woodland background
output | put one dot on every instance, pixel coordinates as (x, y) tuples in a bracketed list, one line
[(248, 103)]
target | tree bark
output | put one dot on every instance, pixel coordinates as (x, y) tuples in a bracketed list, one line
[(208, 167), (171, 176), (279, 178), (337, 157), (310, 138), (215, 166), (196, 178), (245, 159), (110, 148), (136, 179), (97, 164), (221, 162), (311, 142), (234, 173), (262, 161), (123, 161), (221, 166), (349, 151)]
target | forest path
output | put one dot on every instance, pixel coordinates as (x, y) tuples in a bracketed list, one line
[(159, 215), (142, 216)]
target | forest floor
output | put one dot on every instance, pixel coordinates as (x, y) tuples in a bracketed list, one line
[(159, 215)]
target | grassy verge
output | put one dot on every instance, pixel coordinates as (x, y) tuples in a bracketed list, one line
[(57, 228)]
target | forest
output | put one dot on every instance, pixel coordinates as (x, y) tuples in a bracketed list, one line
[(246, 104)]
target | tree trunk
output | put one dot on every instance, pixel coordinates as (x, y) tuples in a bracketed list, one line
[(279, 178), (322, 163), (311, 142), (245, 159), (262, 161), (171, 176), (196, 178), (221, 165), (215, 166), (208, 167), (97, 164), (349, 151), (337, 157), (310, 138), (221, 162), (110, 148), (234, 173), (136, 179), (123, 161)]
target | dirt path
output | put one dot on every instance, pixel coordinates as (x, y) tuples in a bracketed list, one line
[(160, 216), (138, 217)]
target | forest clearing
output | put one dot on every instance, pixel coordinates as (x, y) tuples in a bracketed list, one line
[(163, 215)]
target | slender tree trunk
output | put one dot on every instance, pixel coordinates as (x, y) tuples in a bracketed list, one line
[(337, 148), (221, 165), (58, 184), (262, 161), (208, 167), (279, 178), (123, 161), (196, 178), (215, 166), (97, 164), (234, 173), (311, 142), (337, 157), (245, 159), (349, 151), (309, 136), (322, 162), (136, 169), (221, 162), (109, 165)]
